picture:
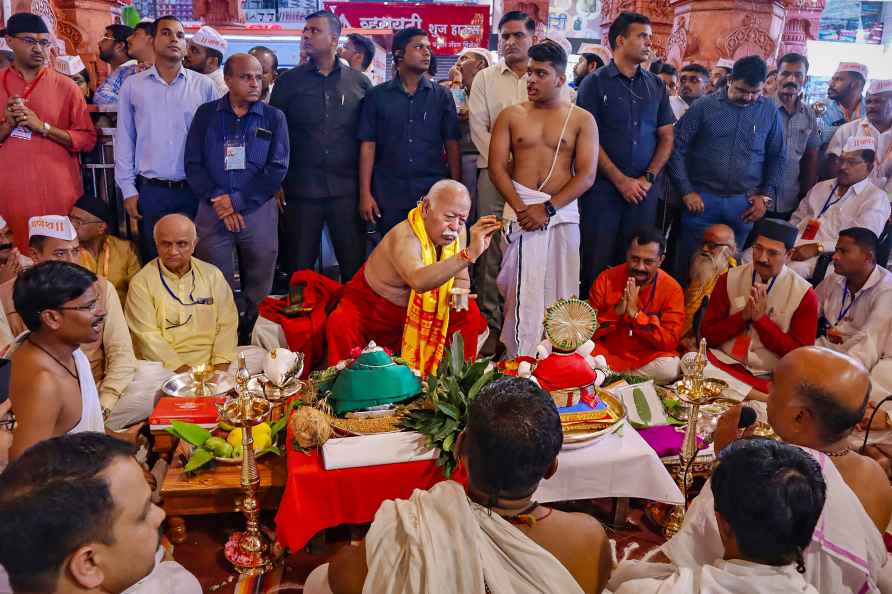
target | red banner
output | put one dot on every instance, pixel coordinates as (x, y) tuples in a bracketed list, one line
[(452, 27)]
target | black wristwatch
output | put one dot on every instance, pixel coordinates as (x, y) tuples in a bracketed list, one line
[(550, 210), (649, 176)]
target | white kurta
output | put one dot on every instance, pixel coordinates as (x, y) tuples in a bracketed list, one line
[(167, 577), (846, 554), (862, 320), (219, 82), (863, 205), (679, 106), (720, 577), (538, 268), (882, 170), (494, 88)]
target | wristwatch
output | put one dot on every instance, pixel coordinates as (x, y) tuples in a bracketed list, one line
[(46, 129), (649, 176), (550, 210)]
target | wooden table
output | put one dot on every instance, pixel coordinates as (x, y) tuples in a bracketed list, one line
[(215, 491)]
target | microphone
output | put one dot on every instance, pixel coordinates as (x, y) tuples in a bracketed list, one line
[(747, 417)]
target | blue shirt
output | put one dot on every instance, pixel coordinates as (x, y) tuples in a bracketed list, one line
[(628, 112), (834, 116), (153, 120), (410, 134), (728, 149), (107, 92), (264, 133)]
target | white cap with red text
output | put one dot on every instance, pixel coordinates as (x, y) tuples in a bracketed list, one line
[(477, 51), (852, 67), (880, 86), (69, 65), (55, 226), (725, 63), (860, 143), (208, 37)]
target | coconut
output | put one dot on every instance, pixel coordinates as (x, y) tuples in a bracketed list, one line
[(310, 427)]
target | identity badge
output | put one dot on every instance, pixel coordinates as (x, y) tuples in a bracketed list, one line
[(234, 156), (21, 133)]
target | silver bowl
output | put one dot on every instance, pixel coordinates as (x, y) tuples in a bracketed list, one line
[(184, 385)]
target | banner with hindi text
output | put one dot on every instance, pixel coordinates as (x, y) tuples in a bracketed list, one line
[(452, 27)]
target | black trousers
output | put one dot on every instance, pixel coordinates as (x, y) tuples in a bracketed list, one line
[(304, 220)]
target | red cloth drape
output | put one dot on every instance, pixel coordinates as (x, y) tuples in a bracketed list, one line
[(306, 332)]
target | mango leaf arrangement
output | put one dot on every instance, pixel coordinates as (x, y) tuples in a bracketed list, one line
[(208, 446), (449, 393)]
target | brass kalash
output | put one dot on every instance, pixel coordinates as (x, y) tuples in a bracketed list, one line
[(695, 391), (248, 551)]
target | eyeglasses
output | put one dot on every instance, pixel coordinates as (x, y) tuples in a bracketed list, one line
[(851, 162), (43, 43), (173, 325), (88, 307), (758, 249), (713, 246), (77, 222)]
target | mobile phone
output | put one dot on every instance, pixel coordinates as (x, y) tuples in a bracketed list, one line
[(5, 372)]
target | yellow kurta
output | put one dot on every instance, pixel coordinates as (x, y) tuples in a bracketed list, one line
[(168, 325), (111, 357), (117, 261)]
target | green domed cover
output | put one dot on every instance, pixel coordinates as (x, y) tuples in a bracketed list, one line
[(373, 380)]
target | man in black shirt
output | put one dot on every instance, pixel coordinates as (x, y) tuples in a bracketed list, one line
[(321, 100), (405, 125)]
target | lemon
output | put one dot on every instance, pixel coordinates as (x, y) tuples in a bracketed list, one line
[(260, 432)]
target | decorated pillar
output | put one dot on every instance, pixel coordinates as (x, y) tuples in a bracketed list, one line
[(803, 19), (658, 11), (219, 13), (704, 31)]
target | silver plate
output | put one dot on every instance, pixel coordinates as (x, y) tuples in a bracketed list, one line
[(260, 383), (184, 385)]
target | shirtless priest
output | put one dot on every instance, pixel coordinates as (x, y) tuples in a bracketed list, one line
[(52, 389), (542, 156), (401, 298)]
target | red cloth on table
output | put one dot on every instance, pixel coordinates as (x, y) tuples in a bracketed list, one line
[(718, 327), (316, 498), (305, 333), (40, 176), (363, 315), (656, 329)]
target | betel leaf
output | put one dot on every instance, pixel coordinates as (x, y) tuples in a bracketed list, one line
[(199, 458), (641, 405)]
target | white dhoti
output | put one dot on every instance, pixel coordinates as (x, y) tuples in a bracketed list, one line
[(538, 268), (438, 541), (720, 577), (846, 554)]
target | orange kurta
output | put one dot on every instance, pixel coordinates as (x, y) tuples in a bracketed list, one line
[(40, 176), (629, 343)]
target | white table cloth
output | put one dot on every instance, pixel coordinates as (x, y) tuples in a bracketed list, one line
[(619, 465)]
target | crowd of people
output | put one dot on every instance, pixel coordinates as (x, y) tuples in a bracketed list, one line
[(681, 203)]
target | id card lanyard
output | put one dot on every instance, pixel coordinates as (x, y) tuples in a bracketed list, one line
[(234, 150)]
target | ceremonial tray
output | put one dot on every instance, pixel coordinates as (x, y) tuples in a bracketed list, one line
[(582, 429), (217, 383), (273, 393)]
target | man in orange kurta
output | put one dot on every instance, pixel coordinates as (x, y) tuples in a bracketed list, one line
[(640, 311), (44, 125)]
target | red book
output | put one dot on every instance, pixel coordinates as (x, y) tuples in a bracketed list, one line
[(201, 410)]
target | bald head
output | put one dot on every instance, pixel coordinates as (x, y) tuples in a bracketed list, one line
[(818, 396), (175, 239), (720, 234), (243, 75), (445, 210)]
